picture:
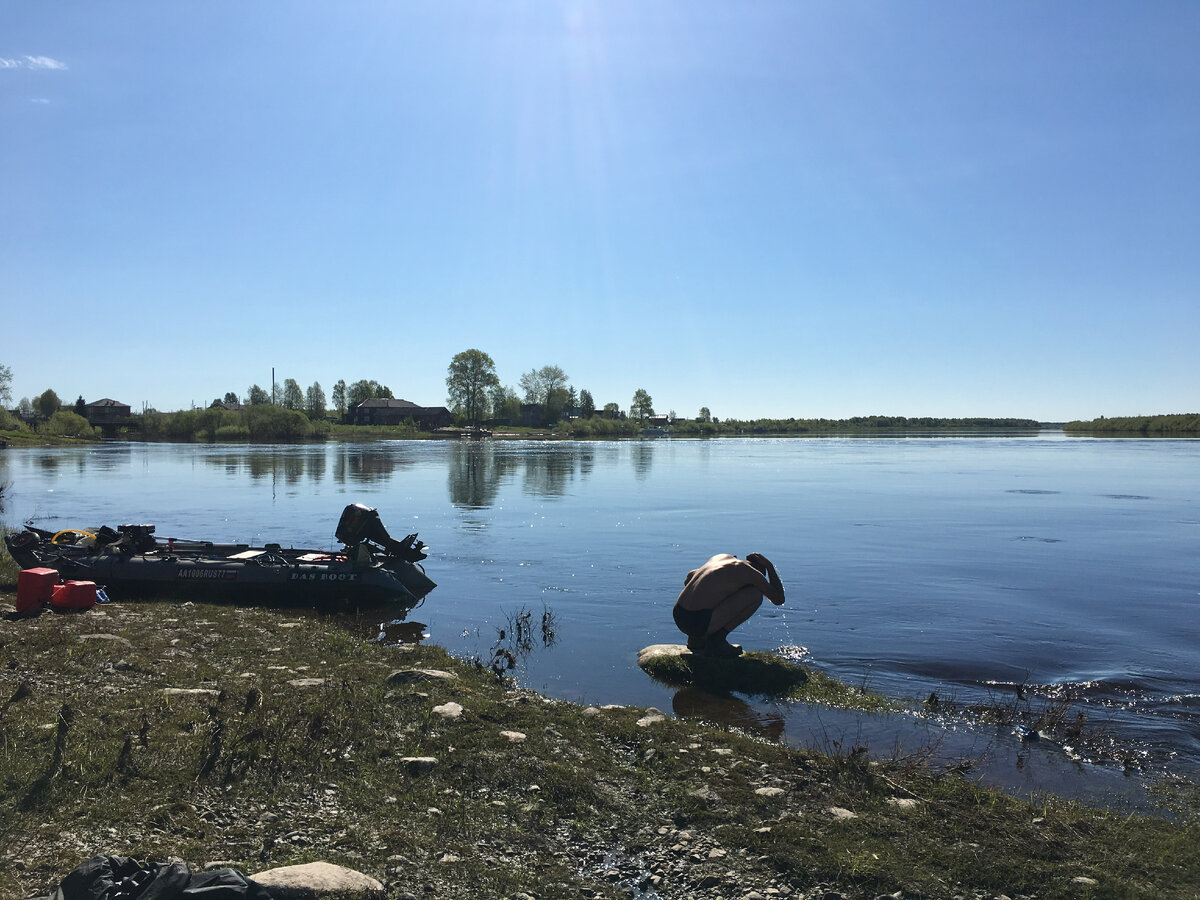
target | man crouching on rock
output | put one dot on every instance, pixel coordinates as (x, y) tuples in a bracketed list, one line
[(721, 595)]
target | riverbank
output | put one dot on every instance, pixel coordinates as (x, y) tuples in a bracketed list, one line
[(258, 739)]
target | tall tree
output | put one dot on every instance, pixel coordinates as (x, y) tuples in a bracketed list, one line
[(256, 396), (314, 401), (587, 406), (365, 390), (80, 406), (641, 407), (505, 403), (339, 396), (705, 415), (231, 398), (612, 411), (539, 383), (293, 397), (47, 403), (5, 386), (547, 387), (469, 377)]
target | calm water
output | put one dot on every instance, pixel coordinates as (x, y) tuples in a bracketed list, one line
[(964, 566)]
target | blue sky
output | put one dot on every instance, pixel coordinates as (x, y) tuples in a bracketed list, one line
[(811, 209)]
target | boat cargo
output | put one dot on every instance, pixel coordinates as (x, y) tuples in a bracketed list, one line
[(129, 563)]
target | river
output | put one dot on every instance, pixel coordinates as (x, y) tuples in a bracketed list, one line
[(982, 569)]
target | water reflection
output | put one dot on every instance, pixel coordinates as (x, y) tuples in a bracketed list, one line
[(725, 709), (364, 464), (478, 470), (549, 474), (474, 474), (289, 468), (643, 459), (355, 464)]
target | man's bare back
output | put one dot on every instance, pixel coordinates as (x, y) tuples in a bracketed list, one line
[(721, 595)]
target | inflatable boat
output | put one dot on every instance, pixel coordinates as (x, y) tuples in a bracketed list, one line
[(129, 562)]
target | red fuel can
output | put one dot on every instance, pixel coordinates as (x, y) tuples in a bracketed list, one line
[(75, 595), (35, 588)]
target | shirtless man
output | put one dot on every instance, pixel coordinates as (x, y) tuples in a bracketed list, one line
[(721, 595)]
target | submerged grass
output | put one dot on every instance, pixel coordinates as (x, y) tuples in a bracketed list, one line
[(763, 674), (257, 739)]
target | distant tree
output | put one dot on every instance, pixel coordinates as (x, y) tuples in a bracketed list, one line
[(256, 396), (612, 411), (705, 415), (71, 424), (469, 377), (314, 401), (505, 403), (587, 406), (641, 407), (339, 397), (5, 386), (276, 394), (80, 406), (293, 397), (539, 383), (25, 408), (365, 390), (547, 387), (231, 398), (47, 403)]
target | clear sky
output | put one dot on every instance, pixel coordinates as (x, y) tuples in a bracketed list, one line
[(801, 208)]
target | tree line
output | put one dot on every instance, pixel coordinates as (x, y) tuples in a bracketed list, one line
[(476, 396), (1181, 424)]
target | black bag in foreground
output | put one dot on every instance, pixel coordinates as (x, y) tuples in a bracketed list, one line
[(123, 878)]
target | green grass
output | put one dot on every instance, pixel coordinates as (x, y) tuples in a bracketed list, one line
[(101, 753)]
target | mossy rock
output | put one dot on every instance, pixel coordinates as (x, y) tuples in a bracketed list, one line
[(754, 672)]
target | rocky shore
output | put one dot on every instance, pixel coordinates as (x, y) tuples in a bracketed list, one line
[(247, 738)]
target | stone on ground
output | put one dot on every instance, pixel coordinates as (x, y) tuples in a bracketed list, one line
[(319, 881)]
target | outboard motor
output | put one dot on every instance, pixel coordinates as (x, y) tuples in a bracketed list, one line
[(139, 538), (361, 525)]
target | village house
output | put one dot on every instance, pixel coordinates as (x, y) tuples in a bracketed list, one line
[(106, 412), (386, 411)]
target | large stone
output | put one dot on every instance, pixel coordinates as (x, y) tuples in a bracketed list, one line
[(418, 676), (652, 715), (449, 710), (307, 682), (319, 881), (418, 765), (654, 651)]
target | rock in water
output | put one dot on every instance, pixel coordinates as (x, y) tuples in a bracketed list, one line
[(659, 651)]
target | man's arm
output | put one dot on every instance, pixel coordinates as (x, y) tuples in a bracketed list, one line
[(774, 589)]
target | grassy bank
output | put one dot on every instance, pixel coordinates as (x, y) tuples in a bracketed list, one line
[(258, 739)]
